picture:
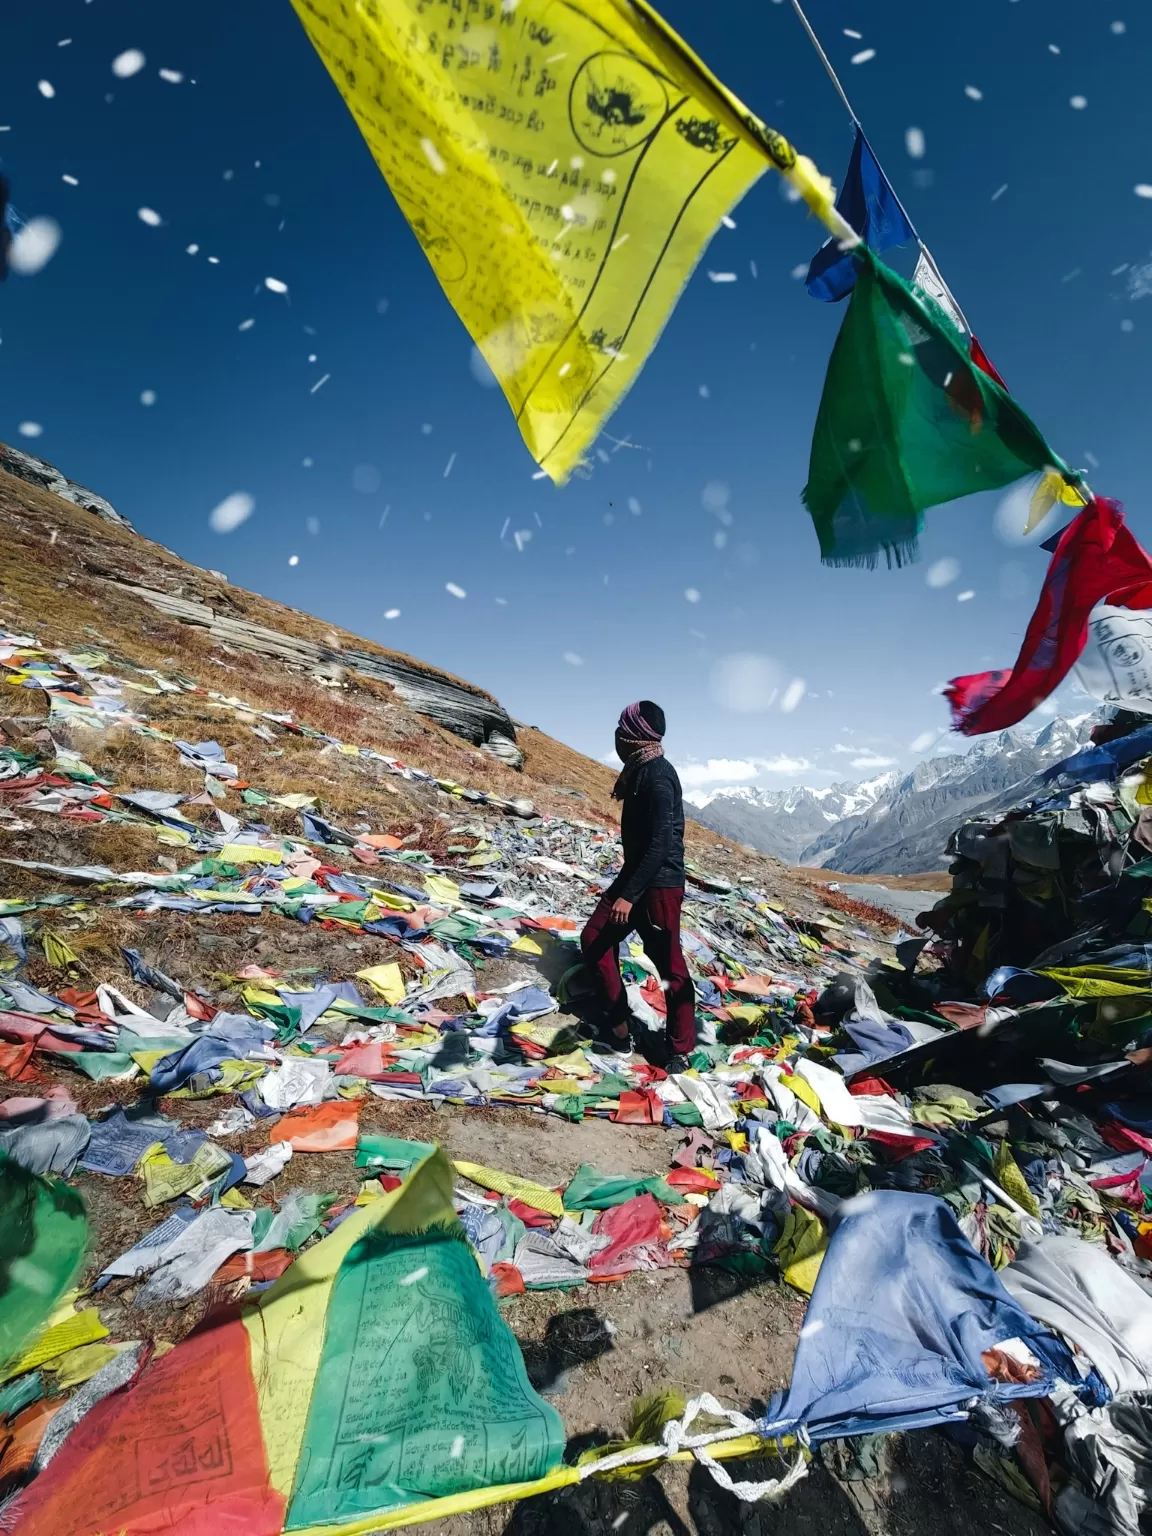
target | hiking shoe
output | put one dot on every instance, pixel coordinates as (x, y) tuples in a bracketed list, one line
[(619, 1045), (678, 1063)]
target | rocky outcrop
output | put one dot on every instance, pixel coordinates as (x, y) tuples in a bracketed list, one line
[(458, 707), (25, 466)]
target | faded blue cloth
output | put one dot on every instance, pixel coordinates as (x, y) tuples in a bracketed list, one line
[(317, 829), (1013, 1093), (485, 1232), (205, 1053), (869, 204), (902, 1310), (491, 944), (874, 1042), (1136, 1114), (1017, 986), (313, 1004), (30, 999), (530, 1003), (117, 1143), (344, 885), (241, 1031), (149, 976), (1105, 762), (12, 934), (393, 928)]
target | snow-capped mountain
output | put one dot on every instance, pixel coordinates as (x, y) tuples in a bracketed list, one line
[(897, 823), (783, 822)]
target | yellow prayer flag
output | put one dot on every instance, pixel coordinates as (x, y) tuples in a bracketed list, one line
[(66, 1331), (563, 167), (1051, 488), (444, 892), (510, 1184), (249, 853), (386, 981), (56, 952)]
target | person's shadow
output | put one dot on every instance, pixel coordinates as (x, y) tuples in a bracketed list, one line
[(571, 1339)]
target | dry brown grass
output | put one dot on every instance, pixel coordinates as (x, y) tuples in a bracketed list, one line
[(862, 911)]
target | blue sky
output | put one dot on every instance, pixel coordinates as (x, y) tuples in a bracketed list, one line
[(382, 469)]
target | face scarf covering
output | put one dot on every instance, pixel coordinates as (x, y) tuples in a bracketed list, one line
[(642, 742)]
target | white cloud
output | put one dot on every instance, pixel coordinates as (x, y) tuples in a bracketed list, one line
[(872, 760), (734, 770), (719, 770), (842, 746)]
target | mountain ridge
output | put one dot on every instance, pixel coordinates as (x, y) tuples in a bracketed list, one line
[(902, 821)]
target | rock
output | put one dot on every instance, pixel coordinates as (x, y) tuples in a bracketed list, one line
[(505, 750), (25, 466), (457, 706)]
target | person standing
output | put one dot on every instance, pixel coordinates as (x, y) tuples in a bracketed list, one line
[(647, 894)]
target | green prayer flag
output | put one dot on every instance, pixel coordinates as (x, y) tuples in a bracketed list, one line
[(421, 1390), (906, 421), (591, 1190), (43, 1235)]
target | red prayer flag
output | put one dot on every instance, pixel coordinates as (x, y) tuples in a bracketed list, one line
[(1096, 558), (985, 364)]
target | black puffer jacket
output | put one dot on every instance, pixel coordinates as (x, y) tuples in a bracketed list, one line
[(652, 831)]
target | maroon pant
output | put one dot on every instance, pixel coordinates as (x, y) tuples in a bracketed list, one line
[(656, 918)]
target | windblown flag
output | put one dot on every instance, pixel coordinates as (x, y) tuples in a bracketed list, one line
[(872, 208), (375, 1376), (564, 168), (1096, 559), (906, 421)]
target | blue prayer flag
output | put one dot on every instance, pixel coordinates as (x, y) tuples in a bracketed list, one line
[(869, 204)]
